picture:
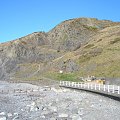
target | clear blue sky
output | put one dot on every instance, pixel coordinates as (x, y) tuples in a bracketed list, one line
[(21, 17)]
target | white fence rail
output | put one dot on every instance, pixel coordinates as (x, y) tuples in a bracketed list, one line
[(91, 86)]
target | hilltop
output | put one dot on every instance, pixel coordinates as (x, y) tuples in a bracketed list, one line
[(79, 47)]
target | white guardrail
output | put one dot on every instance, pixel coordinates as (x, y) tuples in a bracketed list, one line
[(91, 86)]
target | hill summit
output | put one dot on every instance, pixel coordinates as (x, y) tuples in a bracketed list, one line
[(78, 47)]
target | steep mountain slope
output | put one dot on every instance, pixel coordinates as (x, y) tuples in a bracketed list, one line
[(78, 47), (100, 56), (71, 34), (29, 49)]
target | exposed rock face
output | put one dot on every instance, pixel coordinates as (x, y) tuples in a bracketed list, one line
[(70, 34), (40, 47), (26, 49)]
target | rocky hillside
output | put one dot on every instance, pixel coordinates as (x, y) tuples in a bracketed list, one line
[(78, 47)]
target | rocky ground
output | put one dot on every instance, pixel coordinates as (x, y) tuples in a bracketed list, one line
[(53, 103)]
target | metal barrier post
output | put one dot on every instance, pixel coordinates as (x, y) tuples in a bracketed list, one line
[(99, 86), (72, 84), (108, 88), (91, 86), (75, 84), (60, 82), (84, 85), (118, 89), (66, 83), (81, 85), (113, 90), (104, 87), (95, 87), (88, 85), (69, 83)]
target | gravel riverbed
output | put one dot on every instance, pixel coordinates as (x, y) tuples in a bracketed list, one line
[(54, 103)]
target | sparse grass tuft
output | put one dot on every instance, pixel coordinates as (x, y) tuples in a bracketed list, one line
[(89, 46), (99, 40), (84, 58), (92, 53), (116, 40), (90, 27)]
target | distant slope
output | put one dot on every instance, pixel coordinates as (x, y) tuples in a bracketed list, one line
[(101, 56), (79, 47)]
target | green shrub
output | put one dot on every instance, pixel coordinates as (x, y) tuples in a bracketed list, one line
[(91, 27)]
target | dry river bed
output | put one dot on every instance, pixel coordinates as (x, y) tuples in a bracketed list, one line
[(53, 103)]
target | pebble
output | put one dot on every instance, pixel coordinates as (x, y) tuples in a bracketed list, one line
[(80, 111), (16, 117), (2, 113), (45, 112), (54, 109), (42, 116), (22, 110), (63, 115), (76, 117), (9, 114), (33, 107), (15, 113), (52, 118), (3, 118)]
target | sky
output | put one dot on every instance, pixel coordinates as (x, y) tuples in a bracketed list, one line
[(22, 17)]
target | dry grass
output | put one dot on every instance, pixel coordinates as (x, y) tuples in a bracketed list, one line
[(26, 70)]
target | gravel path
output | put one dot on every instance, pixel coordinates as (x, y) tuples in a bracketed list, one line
[(54, 103)]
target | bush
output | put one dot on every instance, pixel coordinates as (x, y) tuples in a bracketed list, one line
[(91, 27)]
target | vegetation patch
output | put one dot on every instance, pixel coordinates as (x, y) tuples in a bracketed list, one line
[(113, 49), (93, 53), (99, 40), (62, 76), (84, 58), (67, 77), (23, 42), (110, 69), (89, 46), (90, 27), (65, 37), (116, 40), (26, 70)]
